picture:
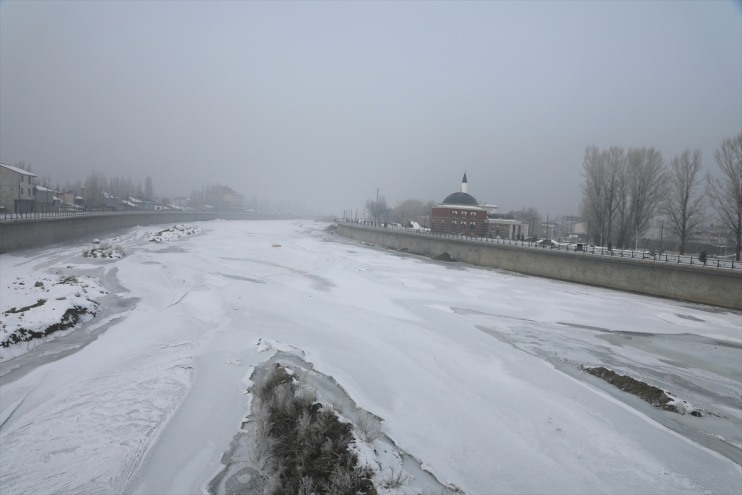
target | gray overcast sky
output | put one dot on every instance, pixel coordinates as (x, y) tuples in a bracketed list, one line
[(323, 102)]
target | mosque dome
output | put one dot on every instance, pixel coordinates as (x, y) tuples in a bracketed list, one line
[(460, 199)]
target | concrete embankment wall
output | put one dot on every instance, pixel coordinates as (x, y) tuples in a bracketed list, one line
[(719, 287), (27, 233)]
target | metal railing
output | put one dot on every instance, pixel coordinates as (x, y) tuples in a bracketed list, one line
[(576, 249), (30, 215)]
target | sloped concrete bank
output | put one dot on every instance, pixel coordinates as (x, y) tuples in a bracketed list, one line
[(27, 233), (694, 284)]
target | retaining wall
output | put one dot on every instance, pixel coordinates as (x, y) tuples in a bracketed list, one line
[(27, 233), (695, 284)]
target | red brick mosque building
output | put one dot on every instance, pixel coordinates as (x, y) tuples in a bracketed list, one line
[(460, 213)]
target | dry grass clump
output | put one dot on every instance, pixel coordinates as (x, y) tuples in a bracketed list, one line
[(367, 427), (70, 318), (307, 444)]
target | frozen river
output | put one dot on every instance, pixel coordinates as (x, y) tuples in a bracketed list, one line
[(474, 372)]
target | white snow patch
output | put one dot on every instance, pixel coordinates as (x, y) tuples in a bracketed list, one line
[(175, 232), (36, 301)]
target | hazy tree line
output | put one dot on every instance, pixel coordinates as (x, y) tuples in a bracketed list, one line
[(419, 211), (625, 189), (409, 210), (94, 186), (416, 210)]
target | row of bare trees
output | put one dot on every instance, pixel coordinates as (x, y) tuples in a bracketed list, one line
[(409, 210), (624, 190), (96, 185)]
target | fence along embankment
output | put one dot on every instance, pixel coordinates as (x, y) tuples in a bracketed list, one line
[(28, 233), (688, 283)]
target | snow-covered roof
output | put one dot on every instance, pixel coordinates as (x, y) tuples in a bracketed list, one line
[(459, 207), (18, 170), (45, 189), (504, 221)]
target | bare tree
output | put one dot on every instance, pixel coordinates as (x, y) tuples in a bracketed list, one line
[(592, 189), (148, 192), (604, 173), (23, 165), (377, 208), (622, 192), (613, 184), (121, 187), (646, 190), (623, 219), (95, 186), (725, 192), (529, 216), (684, 201), (46, 181), (412, 210), (196, 198)]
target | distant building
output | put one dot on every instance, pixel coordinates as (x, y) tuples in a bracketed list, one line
[(17, 189), (131, 204), (46, 200), (459, 213), (223, 198), (72, 201), (110, 202), (506, 227)]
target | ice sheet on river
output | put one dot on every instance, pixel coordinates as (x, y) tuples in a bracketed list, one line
[(151, 404)]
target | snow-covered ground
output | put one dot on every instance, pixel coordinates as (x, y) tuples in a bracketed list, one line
[(474, 372)]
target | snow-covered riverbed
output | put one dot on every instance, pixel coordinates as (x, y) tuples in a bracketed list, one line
[(475, 372)]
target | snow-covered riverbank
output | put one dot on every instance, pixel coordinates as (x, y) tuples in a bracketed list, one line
[(473, 372)]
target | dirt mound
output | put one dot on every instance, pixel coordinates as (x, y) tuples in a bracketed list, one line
[(655, 396), (444, 257)]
